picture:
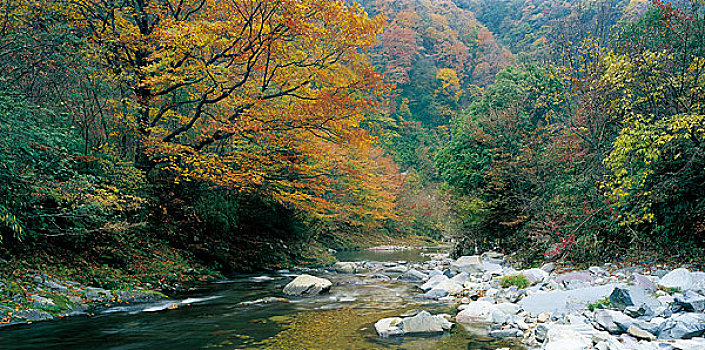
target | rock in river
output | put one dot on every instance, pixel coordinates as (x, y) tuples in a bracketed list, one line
[(469, 264), (422, 323), (307, 285), (345, 267)]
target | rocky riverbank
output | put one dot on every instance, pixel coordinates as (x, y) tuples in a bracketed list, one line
[(45, 297), (603, 307), (389, 303)]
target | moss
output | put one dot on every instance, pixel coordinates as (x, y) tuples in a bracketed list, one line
[(61, 301)]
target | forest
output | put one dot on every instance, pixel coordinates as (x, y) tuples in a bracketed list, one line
[(161, 142)]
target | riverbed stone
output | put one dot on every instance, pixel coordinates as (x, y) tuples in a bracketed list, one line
[(679, 278), (492, 268), (535, 275), (613, 321), (461, 278), (548, 267), (476, 312), (345, 267), (434, 272), (449, 286), (397, 269), (40, 302), (307, 285), (508, 308), (543, 317), (506, 333), (32, 315), (421, 323), (683, 326), (582, 276), (564, 301), (640, 333), (433, 281), (424, 322), (689, 344), (493, 257), (413, 275), (468, 263), (643, 282), (436, 293), (596, 270), (566, 339), (389, 326), (691, 301), (641, 298)]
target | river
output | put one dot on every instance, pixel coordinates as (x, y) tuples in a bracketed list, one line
[(214, 318)]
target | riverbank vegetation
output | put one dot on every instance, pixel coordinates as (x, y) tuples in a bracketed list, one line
[(596, 154)]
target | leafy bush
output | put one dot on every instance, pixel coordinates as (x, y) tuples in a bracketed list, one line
[(519, 280), (603, 303)]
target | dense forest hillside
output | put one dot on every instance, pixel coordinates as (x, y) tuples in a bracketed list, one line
[(150, 137), (590, 150)]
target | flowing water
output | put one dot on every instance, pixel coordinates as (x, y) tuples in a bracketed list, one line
[(213, 318)]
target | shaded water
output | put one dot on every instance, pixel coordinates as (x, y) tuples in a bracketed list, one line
[(212, 318)]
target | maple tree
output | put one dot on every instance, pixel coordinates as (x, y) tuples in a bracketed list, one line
[(244, 94)]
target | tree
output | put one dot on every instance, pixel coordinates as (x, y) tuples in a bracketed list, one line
[(244, 94), (657, 163)]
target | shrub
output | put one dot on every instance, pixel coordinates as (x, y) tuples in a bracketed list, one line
[(520, 281), (603, 303)]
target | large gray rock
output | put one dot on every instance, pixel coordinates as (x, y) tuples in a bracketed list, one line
[(698, 282), (433, 281), (508, 308), (476, 312), (612, 321), (679, 278), (436, 293), (389, 326), (492, 268), (345, 267), (689, 344), (470, 264), (566, 339), (447, 286), (535, 275), (639, 333), (421, 323), (683, 326), (397, 269), (548, 267), (691, 301), (623, 296), (486, 312), (564, 301), (461, 278), (413, 275), (424, 322), (307, 285), (643, 282)]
